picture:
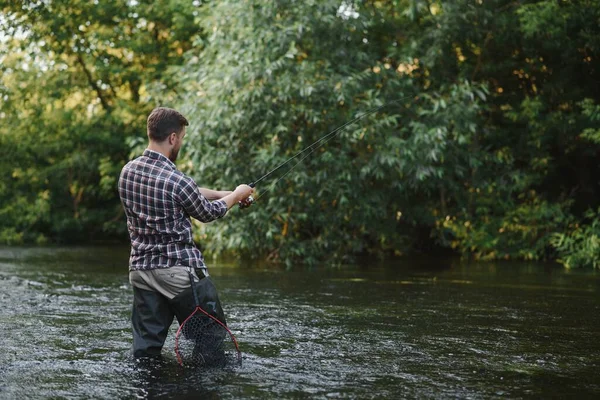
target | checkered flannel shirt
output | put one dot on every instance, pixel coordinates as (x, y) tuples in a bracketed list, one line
[(159, 201)]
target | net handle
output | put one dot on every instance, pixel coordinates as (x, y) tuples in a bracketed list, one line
[(196, 302), (198, 307)]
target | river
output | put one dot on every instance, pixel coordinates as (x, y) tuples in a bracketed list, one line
[(411, 328)]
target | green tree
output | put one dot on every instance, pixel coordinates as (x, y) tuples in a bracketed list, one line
[(77, 82), (487, 144), (485, 154), (540, 61), (272, 78)]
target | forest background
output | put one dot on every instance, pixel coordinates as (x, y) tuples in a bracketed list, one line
[(488, 146)]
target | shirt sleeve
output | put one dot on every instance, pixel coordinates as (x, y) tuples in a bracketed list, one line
[(198, 206)]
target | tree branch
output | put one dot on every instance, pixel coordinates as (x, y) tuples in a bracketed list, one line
[(92, 83)]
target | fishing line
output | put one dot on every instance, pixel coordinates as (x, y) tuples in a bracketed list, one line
[(320, 142), (271, 186), (334, 132)]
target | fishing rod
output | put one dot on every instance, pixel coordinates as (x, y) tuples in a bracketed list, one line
[(321, 141)]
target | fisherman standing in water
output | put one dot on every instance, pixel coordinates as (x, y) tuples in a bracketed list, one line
[(159, 200)]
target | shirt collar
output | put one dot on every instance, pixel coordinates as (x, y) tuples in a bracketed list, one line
[(158, 156)]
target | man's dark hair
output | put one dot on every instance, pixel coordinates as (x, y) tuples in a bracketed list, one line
[(163, 121)]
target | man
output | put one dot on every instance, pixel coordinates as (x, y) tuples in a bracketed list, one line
[(159, 200)]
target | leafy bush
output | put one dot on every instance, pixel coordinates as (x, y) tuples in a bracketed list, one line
[(580, 245)]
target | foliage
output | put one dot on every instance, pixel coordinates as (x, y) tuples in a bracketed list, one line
[(483, 152), (579, 246), (268, 84), (487, 143), (591, 111), (75, 86)]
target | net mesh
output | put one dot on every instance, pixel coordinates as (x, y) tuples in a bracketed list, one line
[(204, 341)]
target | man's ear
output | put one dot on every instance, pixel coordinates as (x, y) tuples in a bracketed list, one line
[(172, 138)]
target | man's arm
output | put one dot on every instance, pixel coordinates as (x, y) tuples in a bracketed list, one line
[(199, 207), (229, 197), (214, 194)]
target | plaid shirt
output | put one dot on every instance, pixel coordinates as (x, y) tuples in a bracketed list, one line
[(159, 201)]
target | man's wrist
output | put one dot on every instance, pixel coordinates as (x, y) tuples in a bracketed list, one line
[(231, 199)]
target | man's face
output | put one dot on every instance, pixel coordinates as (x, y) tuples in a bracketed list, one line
[(176, 146)]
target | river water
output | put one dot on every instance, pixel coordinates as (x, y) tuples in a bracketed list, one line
[(407, 329)]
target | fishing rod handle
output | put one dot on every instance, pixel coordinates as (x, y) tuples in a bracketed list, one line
[(248, 201)]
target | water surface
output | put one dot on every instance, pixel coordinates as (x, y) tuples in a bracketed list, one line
[(407, 329)]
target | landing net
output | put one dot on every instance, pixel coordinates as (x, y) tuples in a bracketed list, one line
[(204, 341)]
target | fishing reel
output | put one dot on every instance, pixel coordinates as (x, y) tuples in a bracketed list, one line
[(246, 202)]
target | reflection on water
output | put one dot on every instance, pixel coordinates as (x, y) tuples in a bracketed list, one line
[(413, 329)]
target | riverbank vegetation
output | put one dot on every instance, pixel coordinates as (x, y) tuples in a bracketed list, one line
[(488, 146)]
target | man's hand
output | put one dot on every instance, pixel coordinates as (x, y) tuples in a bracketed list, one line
[(241, 193), (244, 191)]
